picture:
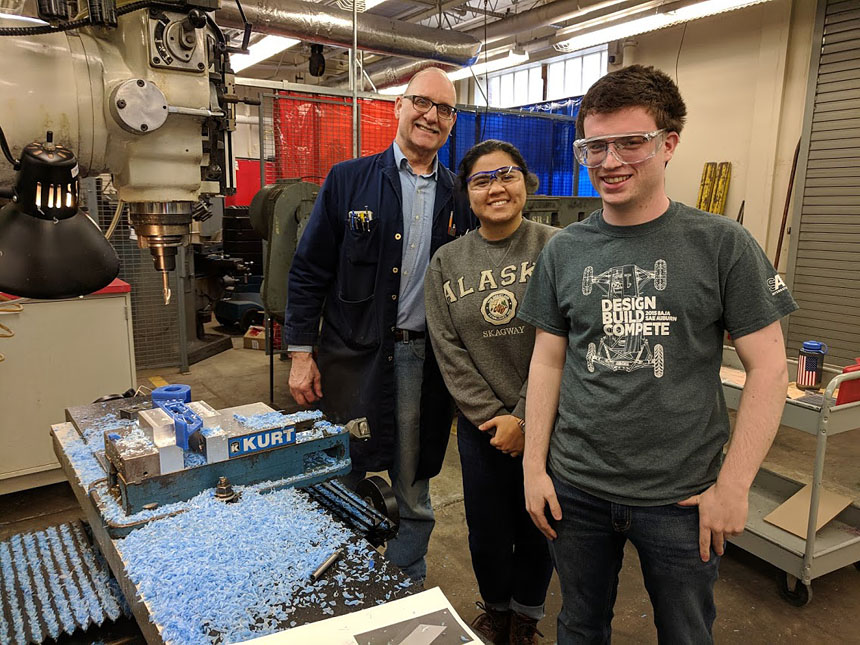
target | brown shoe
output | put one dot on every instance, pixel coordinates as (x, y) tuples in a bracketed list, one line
[(492, 625), (524, 630)]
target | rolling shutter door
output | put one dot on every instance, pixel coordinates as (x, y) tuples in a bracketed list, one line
[(824, 259)]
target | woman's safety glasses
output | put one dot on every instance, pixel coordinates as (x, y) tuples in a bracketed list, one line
[(481, 181)]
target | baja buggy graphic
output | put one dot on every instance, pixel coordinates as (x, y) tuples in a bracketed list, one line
[(626, 352)]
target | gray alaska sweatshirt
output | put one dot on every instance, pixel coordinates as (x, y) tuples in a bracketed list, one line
[(472, 291)]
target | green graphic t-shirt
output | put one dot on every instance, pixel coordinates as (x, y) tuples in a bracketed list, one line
[(642, 419)]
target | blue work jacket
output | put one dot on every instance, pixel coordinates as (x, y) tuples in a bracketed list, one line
[(352, 279)]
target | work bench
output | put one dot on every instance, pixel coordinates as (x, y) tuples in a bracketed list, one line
[(205, 571)]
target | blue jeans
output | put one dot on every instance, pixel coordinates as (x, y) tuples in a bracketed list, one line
[(588, 552), (509, 555), (409, 548)]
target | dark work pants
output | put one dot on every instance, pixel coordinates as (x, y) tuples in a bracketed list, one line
[(588, 553), (509, 555)]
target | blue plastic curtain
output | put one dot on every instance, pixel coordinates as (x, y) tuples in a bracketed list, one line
[(545, 142)]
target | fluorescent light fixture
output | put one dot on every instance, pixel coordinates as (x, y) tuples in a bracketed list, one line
[(12, 16), (616, 32), (652, 22), (706, 8), (260, 51), (511, 60)]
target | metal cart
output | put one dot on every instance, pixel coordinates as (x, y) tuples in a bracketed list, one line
[(838, 543)]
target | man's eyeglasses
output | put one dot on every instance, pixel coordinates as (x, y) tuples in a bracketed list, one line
[(629, 149), (423, 105), (481, 181)]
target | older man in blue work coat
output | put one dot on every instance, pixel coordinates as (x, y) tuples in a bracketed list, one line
[(360, 265)]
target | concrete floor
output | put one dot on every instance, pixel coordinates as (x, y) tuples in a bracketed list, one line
[(750, 609)]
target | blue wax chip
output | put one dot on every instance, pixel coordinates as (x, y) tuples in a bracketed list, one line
[(257, 555)]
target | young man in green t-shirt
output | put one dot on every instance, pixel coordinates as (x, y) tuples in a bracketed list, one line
[(625, 417)]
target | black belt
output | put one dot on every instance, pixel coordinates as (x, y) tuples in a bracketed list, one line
[(405, 335)]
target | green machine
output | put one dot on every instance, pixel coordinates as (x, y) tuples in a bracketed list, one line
[(559, 210), (279, 213)]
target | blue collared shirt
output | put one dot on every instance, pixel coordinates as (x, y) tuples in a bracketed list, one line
[(419, 197)]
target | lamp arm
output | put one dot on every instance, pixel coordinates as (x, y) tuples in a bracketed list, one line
[(8, 153)]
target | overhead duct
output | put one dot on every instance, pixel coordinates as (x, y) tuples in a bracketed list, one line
[(392, 71), (329, 26), (397, 71)]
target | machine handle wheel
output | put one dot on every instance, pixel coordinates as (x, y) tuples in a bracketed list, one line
[(375, 491)]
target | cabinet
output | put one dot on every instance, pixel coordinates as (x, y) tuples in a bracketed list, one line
[(63, 352)]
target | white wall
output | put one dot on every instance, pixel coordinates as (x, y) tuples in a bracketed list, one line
[(743, 77)]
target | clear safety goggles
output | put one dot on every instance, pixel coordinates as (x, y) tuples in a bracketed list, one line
[(505, 175), (630, 148)]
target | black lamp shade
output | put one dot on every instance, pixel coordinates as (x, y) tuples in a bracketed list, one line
[(46, 259), (48, 248)]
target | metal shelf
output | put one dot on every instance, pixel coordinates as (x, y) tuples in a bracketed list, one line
[(835, 545)]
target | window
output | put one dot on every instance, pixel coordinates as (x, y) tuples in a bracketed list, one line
[(506, 95), (573, 75), (566, 76), (593, 67), (519, 86), (493, 89), (535, 84)]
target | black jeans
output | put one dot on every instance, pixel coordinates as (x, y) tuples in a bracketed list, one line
[(509, 555)]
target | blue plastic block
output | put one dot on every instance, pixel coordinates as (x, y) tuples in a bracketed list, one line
[(173, 392)]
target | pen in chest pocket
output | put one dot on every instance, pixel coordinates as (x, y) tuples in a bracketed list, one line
[(360, 221)]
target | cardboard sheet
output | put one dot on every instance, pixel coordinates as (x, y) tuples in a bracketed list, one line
[(793, 514)]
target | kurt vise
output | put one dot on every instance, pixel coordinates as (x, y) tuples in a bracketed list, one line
[(179, 447)]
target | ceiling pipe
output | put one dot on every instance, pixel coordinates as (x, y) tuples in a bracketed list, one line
[(397, 71), (393, 71), (399, 74), (330, 26)]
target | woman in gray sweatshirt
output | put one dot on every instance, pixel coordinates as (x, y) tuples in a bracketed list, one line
[(472, 290)]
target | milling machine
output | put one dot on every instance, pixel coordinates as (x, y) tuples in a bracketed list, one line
[(141, 89)]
